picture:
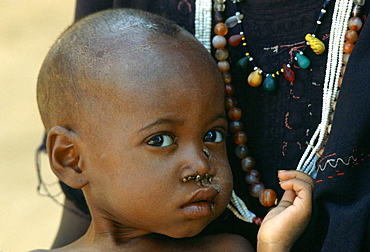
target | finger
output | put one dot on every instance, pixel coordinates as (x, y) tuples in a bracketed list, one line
[(289, 174), (301, 188)]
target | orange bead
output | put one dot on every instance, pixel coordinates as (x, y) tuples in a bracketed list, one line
[(355, 24), (221, 29), (224, 66), (234, 114), (268, 198), (240, 137), (348, 47)]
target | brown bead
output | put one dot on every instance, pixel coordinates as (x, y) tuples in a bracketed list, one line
[(343, 70), (229, 90), (240, 138), (221, 54), (340, 80), (248, 163), (218, 16), (257, 221), (348, 47), (227, 77), (234, 114), (230, 102), (224, 66), (235, 126), (235, 40), (221, 29), (268, 198), (357, 10), (253, 176), (241, 151), (256, 189), (345, 58), (351, 36), (355, 24)]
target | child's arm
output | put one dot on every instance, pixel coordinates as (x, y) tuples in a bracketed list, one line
[(285, 223)]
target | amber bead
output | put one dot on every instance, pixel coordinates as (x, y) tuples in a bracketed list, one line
[(241, 151), (235, 40), (289, 74), (268, 198), (355, 24), (234, 114), (348, 47), (235, 126), (255, 78), (221, 29), (229, 90), (218, 41), (253, 176), (224, 66), (230, 102), (340, 79), (256, 189), (357, 10), (345, 58), (240, 138), (221, 54), (351, 36), (227, 77), (248, 163)]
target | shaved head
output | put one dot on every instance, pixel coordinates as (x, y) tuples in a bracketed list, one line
[(109, 47)]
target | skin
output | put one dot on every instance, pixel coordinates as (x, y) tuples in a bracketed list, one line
[(131, 140)]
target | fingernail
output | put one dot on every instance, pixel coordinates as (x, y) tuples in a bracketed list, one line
[(282, 170)]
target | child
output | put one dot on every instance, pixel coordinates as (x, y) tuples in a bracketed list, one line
[(133, 107)]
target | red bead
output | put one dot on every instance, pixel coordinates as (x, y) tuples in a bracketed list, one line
[(268, 198), (257, 221), (256, 189), (248, 163), (234, 114), (288, 73), (355, 24), (230, 102), (235, 40), (351, 36), (229, 90), (240, 138), (221, 29)]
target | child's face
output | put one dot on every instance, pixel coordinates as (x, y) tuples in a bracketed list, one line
[(143, 139)]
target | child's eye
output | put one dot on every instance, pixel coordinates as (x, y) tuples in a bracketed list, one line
[(161, 141), (215, 136)]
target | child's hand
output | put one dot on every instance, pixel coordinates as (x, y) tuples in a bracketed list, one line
[(286, 222)]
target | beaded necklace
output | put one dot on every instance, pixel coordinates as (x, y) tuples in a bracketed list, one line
[(307, 163)]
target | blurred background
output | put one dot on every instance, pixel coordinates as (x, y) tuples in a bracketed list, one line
[(27, 30)]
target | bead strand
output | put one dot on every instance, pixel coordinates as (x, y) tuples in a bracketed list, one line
[(203, 22)]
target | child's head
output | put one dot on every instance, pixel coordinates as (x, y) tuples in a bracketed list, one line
[(133, 107)]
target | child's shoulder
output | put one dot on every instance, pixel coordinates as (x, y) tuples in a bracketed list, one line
[(227, 242)]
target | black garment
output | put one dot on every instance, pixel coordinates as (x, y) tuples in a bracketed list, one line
[(279, 124)]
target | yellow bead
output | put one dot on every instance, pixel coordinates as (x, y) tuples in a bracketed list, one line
[(316, 44), (255, 78)]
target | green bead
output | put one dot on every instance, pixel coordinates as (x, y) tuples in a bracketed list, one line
[(269, 84), (243, 63), (303, 61)]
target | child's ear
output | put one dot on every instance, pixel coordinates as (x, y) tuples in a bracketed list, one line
[(64, 157)]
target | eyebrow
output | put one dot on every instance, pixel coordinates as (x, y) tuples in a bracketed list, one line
[(175, 121)]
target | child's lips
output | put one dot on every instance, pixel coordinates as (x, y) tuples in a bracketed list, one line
[(201, 203)]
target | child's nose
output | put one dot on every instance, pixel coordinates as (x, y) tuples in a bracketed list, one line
[(198, 162)]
